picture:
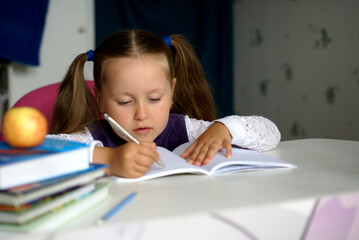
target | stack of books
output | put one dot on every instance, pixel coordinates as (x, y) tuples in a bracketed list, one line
[(43, 188)]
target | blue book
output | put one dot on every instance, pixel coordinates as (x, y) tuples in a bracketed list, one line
[(51, 159)]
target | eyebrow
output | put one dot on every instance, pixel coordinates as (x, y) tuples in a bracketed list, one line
[(158, 90)]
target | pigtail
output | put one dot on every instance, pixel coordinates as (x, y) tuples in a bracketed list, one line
[(75, 106), (192, 94)]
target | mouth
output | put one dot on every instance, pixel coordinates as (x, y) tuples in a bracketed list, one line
[(142, 130)]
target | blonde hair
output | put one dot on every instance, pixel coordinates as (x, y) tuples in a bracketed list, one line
[(76, 107)]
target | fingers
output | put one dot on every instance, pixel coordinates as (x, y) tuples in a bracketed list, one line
[(148, 154), (137, 159), (228, 146), (210, 154), (189, 150), (217, 136), (151, 145), (203, 154)]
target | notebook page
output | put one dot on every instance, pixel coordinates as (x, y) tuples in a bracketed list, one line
[(174, 165), (242, 159)]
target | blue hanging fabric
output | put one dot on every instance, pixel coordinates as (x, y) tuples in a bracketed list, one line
[(21, 29)]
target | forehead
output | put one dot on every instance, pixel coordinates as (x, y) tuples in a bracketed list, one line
[(144, 69), (123, 62)]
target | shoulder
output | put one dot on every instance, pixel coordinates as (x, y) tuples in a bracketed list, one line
[(176, 121), (176, 117), (174, 134), (83, 136), (102, 131)]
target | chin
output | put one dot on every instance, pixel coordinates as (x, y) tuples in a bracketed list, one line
[(146, 138)]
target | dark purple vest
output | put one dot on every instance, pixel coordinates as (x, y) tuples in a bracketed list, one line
[(174, 134)]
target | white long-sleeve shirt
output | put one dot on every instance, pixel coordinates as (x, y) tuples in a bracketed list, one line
[(251, 132)]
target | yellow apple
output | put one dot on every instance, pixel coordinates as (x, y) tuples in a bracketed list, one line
[(24, 127)]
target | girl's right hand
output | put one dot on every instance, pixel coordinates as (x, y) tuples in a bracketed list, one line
[(133, 160), (129, 160)]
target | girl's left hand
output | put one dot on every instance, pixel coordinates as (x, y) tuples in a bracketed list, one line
[(208, 144)]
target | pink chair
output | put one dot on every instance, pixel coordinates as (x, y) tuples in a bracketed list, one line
[(44, 99)]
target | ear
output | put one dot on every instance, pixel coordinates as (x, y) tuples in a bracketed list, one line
[(174, 80), (98, 95)]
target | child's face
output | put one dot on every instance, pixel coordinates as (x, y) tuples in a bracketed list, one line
[(138, 95)]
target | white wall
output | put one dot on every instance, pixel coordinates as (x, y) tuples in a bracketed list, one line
[(289, 71), (69, 31)]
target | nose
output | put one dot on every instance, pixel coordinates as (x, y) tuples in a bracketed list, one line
[(141, 112)]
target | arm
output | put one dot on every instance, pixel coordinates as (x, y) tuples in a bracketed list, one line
[(129, 160), (257, 133), (251, 132), (83, 137)]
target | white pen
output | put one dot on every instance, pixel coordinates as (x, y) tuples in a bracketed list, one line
[(124, 134)]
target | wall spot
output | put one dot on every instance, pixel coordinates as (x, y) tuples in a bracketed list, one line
[(331, 94), (286, 36), (305, 98), (263, 87), (288, 73), (296, 131), (355, 74), (325, 40), (257, 38)]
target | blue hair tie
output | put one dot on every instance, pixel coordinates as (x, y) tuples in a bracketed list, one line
[(167, 40), (90, 55)]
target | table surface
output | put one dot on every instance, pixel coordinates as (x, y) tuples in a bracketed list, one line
[(325, 167)]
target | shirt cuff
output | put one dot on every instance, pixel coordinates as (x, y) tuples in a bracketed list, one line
[(235, 128), (92, 145)]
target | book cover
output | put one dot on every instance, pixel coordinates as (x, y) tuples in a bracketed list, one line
[(28, 211), (53, 158), (29, 192), (242, 160), (62, 215)]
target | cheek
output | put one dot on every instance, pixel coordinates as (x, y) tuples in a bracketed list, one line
[(121, 117), (161, 117), (108, 106)]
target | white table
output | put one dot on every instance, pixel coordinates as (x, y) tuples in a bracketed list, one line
[(325, 168)]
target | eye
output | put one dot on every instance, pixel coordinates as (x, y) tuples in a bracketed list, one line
[(153, 100), (123, 102)]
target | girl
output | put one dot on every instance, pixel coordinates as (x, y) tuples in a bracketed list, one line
[(139, 79)]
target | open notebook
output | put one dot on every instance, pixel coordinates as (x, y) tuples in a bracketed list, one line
[(242, 160)]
